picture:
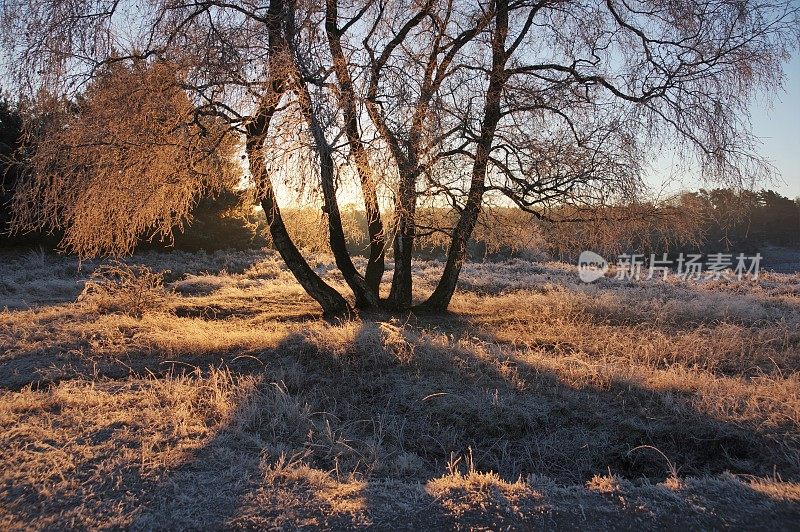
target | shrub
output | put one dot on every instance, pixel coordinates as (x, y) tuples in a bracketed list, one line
[(120, 288)]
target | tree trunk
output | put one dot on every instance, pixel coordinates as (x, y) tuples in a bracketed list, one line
[(377, 238), (457, 253), (440, 299), (332, 303), (402, 280), (366, 298)]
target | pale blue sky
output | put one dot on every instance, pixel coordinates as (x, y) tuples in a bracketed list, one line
[(776, 122), (779, 128)]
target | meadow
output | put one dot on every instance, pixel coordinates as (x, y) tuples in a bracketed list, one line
[(194, 390)]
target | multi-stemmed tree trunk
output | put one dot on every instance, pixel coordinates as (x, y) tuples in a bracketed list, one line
[(407, 152), (366, 297)]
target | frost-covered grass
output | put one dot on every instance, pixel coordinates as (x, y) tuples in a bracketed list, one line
[(221, 399)]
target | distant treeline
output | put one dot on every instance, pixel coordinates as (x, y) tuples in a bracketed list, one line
[(745, 220), (706, 221)]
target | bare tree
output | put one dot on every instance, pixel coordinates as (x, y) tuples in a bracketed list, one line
[(538, 104)]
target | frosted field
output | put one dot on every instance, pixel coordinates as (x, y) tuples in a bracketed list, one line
[(220, 398)]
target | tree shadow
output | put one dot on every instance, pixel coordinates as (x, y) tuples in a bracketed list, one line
[(34, 278), (394, 403), (380, 417)]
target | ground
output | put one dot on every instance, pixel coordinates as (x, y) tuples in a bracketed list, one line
[(221, 399)]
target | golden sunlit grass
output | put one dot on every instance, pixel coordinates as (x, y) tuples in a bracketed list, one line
[(221, 399)]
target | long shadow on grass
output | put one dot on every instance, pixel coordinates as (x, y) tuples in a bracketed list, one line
[(399, 402), (405, 400), (34, 278)]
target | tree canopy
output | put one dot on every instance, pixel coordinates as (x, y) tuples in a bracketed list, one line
[(10, 142), (123, 162)]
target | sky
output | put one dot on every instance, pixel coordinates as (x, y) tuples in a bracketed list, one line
[(776, 122), (778, 126)]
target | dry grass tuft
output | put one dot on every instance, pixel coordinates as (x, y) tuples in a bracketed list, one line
[(118, 287)]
